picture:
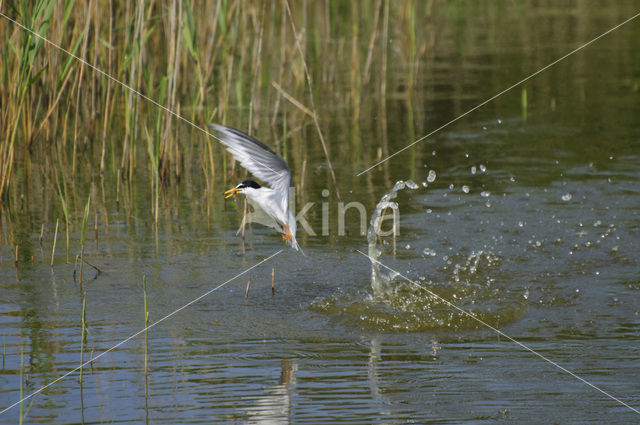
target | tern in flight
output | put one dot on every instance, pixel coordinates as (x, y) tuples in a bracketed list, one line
[(267, 166)]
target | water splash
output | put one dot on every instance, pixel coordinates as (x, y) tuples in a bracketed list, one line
[(380, 279), (466, 279)]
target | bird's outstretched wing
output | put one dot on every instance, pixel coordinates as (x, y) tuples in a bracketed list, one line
[(257, 158)]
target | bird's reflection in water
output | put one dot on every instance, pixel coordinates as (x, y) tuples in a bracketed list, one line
[(274, 407)]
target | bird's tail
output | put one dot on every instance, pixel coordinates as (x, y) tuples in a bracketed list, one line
[(294, 244)]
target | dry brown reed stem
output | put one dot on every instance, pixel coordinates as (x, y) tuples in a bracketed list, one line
[(53, 106), (291, 99), (302, 175), (244, 220), (146, 327), (356, 80), (313, 104), (385, 35), (283, 35), (175, 43), (256, 72), (83, 56), (383, 90), (55, 239), (244, 223), (103, 153), (273, 282), (75, 268), (131, 104), (246, 291), (372, 40)]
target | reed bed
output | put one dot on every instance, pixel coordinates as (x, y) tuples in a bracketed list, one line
[(68, 129), (93, 119)]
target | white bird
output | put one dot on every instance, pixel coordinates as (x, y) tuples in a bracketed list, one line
[(267, 166)]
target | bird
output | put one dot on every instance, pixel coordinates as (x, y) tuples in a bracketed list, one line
[(267, 166)]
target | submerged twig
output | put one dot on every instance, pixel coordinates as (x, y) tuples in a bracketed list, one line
[(95, 267)]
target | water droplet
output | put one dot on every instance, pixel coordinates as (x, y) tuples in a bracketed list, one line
[(451, 186), (473, 169), (485, 193), (499, 121), (429, 252), (520, 224), (465, 188), (424, 184), (597, 223), (566, 197), (483, 168), (432, 176)]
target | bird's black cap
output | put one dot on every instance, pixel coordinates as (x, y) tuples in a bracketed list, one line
[(249, 183)]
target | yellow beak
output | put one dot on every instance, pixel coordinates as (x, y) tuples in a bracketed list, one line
[(229, 193)]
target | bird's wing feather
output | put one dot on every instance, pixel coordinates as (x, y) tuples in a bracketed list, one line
[(257, 158)]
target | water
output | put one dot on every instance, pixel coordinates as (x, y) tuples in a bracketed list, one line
[(526, 218)]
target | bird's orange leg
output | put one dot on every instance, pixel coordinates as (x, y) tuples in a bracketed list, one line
[(289, 237)]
